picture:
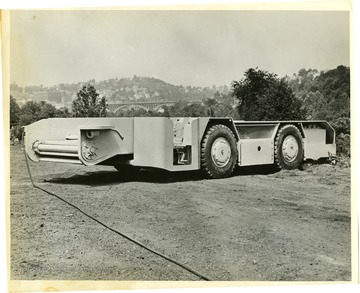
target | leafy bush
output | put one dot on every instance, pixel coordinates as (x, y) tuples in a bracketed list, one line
[(343, 144), (16, 133)]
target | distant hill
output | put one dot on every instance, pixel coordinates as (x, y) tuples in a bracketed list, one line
[(143, 89), (116, 90)]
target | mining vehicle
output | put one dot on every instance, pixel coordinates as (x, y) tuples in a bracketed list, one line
[(214, 145)]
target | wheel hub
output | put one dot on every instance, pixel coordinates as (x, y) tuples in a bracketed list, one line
[(290, 148), (221, 152)]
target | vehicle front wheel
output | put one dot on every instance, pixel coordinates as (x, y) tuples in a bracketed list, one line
[(218, 152)]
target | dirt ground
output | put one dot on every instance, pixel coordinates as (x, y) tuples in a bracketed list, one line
[(258, 225)]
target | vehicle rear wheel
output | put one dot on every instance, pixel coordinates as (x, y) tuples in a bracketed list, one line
[(218, 152), (289, 150)]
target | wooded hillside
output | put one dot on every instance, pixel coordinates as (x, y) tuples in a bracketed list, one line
[(326, 96)]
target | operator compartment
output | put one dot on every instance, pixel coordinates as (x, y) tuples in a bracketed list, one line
[(182, 141)]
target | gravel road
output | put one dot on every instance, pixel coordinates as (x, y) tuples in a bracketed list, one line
[(258, 225)]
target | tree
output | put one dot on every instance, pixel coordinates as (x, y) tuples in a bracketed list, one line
[(178, 109), (63, 112), (30, 113), (195, 110), (225, 106), (14, 112), (46, 110), (88, 103), (263, 96), (34, 111), (325, 95), (210, 105)]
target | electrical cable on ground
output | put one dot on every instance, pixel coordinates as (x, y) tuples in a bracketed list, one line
[(185, 267)]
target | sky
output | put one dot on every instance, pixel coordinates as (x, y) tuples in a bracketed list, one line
[(196, 48)]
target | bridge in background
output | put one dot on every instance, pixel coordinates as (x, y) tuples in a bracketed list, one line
[(148, 106)]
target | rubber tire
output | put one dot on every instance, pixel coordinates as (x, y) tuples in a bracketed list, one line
[(280, 161), (207, 164)]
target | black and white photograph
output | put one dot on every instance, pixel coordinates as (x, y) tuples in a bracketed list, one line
[(180, 145)]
